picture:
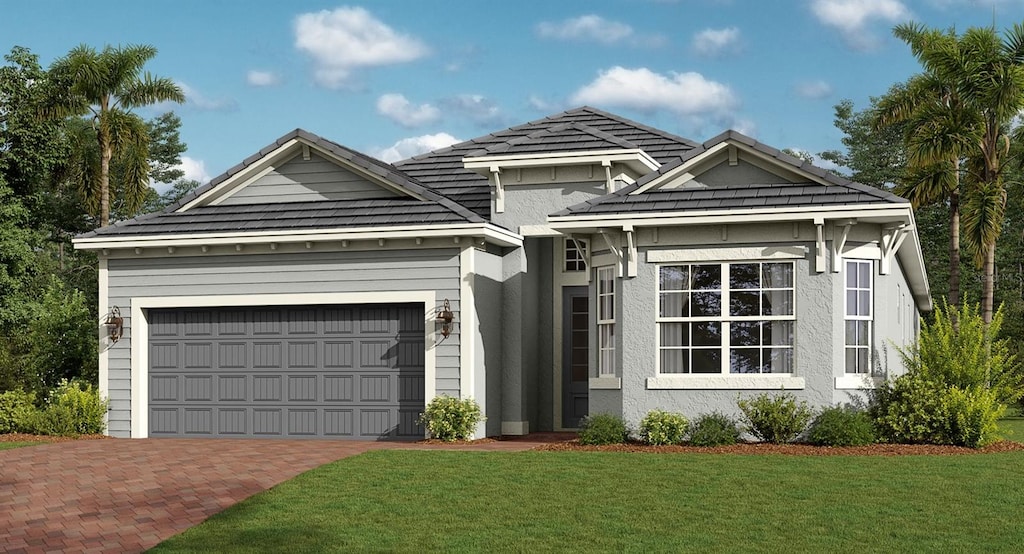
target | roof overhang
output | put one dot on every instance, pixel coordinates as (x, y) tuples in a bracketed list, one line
[(911, 259), (489, 232), (636, 159)]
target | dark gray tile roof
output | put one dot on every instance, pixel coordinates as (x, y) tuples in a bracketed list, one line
[(435, 208), (442, 169), (318, 215), (566, 137), (838, 190)]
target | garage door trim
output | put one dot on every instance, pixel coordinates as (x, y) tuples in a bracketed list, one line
[(139, 330)]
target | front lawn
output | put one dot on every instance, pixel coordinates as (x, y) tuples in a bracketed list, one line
[(392, 500), (10, 445)]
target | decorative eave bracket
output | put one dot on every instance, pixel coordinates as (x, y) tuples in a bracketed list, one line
[(839, 236), (499, 190), (889, 243)]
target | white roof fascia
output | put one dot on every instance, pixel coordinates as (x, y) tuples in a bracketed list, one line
[(767, 163), (547, 159), (493, 233), (243, 177), (683, 167), (283, 154), (894, 211)]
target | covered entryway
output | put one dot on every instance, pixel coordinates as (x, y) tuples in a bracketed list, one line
[(346, 371)]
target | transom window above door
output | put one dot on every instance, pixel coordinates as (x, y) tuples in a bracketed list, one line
[(716, 318)]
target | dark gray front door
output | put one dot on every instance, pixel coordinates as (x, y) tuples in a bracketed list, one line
[(575, 354), (352, 371)]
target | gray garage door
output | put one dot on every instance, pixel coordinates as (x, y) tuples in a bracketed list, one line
[(353, 371)]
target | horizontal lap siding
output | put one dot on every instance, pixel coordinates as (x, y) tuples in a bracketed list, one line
[(292, 273), (307, 180)]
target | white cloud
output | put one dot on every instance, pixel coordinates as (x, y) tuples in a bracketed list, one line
[(196, 101), (409, 147), (478, 108), (194, 169), (713, 43), (813, 90), (350, 38), (258, 78), (585, 28), (398, 109), (745, 126), (687, 94), (852, 17)]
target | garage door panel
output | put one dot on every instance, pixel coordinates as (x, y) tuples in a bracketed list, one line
[(308, 371)]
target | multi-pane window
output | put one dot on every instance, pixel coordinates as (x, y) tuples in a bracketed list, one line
[(859, 315), (726, 318), (606, 321), (575, 254)]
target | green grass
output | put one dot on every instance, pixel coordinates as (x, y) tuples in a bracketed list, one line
[(10, 445), (1012, 426), (416, 501)]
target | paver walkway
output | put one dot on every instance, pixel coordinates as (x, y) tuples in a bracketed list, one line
[(127, 495)]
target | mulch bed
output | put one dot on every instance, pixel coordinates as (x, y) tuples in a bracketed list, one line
[(22, 437), (792, 449)]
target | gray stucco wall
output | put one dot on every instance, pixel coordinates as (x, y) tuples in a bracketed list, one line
[(530, 204), (487, 291), (276, 273)]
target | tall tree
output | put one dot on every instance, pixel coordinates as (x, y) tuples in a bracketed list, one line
[(874, 155), (107, 84), (978, 81)]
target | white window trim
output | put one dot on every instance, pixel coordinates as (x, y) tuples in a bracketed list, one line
[(579, 245), (603, 371), (139, 330), (870, 318), (712, 380)]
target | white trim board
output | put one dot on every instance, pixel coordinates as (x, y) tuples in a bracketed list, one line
[(727, 382), (140, 332), (727, 254)]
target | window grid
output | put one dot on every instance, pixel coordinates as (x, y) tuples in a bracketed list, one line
[(575, 255), (606, 321), (719, 318), (859, 318)]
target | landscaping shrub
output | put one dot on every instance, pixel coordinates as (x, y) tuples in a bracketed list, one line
[(841, 426), (908, 409), (660, 427), (968, 358), (775, 419), (603, 429), (971, 416), (451, 419), (16, 411), (73, 408), (714, 429)]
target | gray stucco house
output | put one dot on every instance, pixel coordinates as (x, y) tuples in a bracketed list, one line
[(590, 264)]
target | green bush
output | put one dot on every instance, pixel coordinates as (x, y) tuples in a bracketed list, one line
[(714, 429), (908, 409), (661, 427), (775, 419), (603, 429), (841, 426), (968, 358), (73, 408), (16, 411), (451, 419), (971, 416)]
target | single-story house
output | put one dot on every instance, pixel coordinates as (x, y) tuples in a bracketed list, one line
[(582, 263)]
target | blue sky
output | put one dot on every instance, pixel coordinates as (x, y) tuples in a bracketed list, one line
[(396, 78)]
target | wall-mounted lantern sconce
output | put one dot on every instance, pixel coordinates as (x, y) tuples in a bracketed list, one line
[(445, 318), (115, 324)]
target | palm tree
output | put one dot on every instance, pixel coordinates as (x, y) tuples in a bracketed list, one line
[(985, 73), (924, 105), (108, 86)]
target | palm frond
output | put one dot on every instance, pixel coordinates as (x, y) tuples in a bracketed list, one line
[(983, 209)]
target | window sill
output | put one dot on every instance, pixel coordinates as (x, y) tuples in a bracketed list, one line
[(605, 383), (857, 381), (732, 382)]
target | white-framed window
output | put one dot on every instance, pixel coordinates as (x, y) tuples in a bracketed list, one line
[(606, 321), (735, 317), (859, 315), (575, 254)]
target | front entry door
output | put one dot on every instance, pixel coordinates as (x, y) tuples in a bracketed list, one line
[(575, 354)]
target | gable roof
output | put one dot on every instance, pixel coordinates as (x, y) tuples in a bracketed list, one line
[(188, 216), (565, 137), (822, 188), (443, 171)]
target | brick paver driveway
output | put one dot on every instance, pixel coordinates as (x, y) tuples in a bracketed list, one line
[(128, 495)]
